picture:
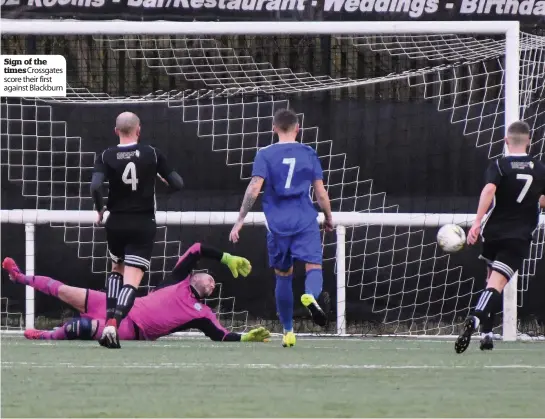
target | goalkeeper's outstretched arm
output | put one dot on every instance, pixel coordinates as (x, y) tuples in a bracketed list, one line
[(188, 262), (212, 329)]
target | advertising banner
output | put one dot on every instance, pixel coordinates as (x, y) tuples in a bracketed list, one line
[(529, 12)]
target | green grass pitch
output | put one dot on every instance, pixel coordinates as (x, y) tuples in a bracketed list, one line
[(317, 378)]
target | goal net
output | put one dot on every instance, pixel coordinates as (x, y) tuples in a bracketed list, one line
[(403, 123)]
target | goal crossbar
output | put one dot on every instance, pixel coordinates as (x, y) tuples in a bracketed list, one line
[(346, 219), (120, 27)]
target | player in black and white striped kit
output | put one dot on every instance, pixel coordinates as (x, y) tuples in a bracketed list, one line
[(131, 169), (507, 215)]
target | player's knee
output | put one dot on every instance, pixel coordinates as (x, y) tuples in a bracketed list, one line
[(284, 273), (312, 266), (133, 275), (81, 329), (497, 280), (118, 267), (117, 263)]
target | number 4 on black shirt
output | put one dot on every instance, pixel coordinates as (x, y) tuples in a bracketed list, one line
[(132, 170)]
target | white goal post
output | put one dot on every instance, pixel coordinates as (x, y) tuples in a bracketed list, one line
[(509, 29)]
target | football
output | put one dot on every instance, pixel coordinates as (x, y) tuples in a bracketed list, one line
[(451, 238)]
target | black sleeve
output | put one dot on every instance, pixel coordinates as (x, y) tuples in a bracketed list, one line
[(212, 331), (175, 181), (232, 337), (100, 166), (542, 173), (210, 252), (96, 190), (99, 175), (493, 173), (188, 262)]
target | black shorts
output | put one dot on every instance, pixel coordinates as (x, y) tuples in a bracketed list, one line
[(130, 239), (505, 256)]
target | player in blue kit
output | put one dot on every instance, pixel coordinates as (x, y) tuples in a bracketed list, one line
[(289, 169)]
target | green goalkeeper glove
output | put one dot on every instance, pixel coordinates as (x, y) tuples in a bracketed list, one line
[(237, 265), (256, 335)]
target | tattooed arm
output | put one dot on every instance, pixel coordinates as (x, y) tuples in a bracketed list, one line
[(252, 191)]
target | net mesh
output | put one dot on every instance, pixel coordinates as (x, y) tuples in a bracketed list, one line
[(228, 88), (10, 318)]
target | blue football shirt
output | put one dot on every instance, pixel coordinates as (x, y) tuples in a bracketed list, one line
[(289, 170)]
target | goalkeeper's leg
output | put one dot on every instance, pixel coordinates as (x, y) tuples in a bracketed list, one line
[(75, 329), (70, 295), (83, 328)]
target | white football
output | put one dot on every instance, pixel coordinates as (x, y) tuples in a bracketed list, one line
[(451, 238)]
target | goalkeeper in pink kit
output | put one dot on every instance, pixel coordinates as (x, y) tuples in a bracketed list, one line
[(175, 305)]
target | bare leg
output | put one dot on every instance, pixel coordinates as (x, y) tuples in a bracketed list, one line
[(133, 276), (497, 281), (118, 268), (282, 273)]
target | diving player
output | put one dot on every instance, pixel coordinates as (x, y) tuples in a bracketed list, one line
[(175, 305), (289, 169)]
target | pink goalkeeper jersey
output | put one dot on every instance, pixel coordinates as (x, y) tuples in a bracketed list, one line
[(173, 307)]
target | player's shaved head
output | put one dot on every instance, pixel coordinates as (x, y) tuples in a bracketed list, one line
[(518, 134), (203, 283), (285, 121), (127, 123)]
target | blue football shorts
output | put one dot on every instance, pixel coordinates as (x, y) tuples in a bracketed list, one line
[(305, 246)]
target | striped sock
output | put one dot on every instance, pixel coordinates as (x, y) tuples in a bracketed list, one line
[(489, 302), (113, 286), (488, 323), (125, 301)]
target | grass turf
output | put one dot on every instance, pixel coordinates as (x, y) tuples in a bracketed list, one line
[(317, 378)]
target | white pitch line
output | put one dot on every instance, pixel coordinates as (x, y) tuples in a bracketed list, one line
[(183, 365), (323, 339), (222, 346)]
